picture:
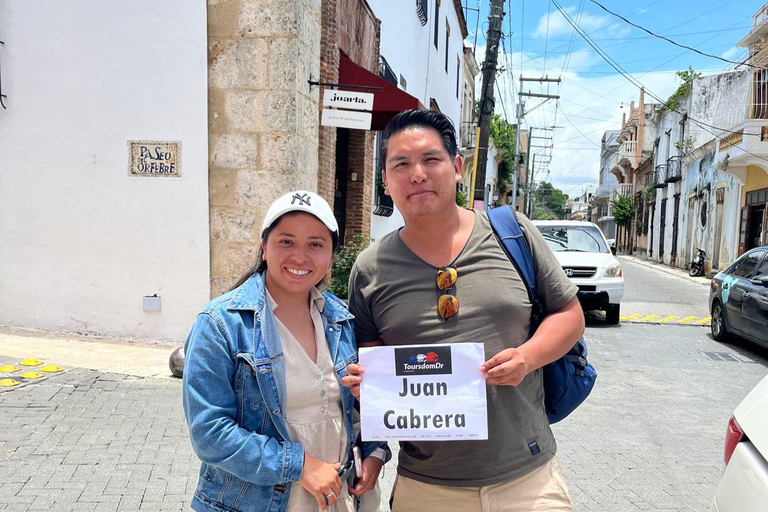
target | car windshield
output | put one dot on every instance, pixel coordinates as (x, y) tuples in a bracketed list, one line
[(573, 238)]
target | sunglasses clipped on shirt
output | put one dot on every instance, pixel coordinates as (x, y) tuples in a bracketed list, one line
[(447, 303)]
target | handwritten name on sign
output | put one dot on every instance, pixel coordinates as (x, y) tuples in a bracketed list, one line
[(154, 158), (423, 392)]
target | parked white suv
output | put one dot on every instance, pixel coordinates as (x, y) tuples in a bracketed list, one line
[(583, 252)]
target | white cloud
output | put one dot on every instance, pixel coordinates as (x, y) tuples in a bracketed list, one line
[(593, 103), (559, 26), (732, 53)]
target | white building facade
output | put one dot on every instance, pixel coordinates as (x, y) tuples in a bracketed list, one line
[(423, 44), (82, 240)]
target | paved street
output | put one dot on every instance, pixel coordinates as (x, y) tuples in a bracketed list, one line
[(650, 437), (660, 294)]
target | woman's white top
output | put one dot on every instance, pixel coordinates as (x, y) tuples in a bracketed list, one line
[(313, 411)]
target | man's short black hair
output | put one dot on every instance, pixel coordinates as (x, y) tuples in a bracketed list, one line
[(423, 118)]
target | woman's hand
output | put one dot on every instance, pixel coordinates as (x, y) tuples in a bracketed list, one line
[(353, 378), (371, 469), (321, 481)]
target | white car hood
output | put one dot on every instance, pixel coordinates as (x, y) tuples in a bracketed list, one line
[(752, 416), (585, 259)]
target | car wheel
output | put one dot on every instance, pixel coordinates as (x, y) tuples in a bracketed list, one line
[(612, 313), (717, 325)]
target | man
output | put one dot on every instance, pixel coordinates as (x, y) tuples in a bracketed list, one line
[(396, 300)]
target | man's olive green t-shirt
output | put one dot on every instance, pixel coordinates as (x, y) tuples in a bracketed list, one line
[(393, 295)]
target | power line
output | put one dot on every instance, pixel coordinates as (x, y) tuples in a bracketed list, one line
[(636, 83), (670, 40)]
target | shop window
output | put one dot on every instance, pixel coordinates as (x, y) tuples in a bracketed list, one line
[(437, 22)]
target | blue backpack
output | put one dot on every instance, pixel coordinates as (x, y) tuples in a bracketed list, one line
[(567, 381)]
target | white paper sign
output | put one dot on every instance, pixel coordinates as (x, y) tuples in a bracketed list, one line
[(423, 392), (346, 119), (346, 99)]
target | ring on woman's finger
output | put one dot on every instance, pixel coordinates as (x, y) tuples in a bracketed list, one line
[(328, 495)]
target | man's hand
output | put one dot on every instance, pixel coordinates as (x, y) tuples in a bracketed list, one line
[(371, 469), (507, 368), (321, 481), (353, 378)]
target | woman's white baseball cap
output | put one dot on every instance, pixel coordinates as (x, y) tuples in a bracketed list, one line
[(301, 201)]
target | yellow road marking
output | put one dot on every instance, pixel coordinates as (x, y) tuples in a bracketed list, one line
[(634, 316), (651, 318), (669, 319), (705, 320), (687, 319)]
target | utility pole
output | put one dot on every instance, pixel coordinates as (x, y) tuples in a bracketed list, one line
[(521, 112), (487, 101)]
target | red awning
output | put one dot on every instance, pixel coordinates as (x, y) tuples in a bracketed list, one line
[(386, 103)]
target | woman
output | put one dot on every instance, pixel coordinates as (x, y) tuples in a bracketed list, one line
[(267, 415)]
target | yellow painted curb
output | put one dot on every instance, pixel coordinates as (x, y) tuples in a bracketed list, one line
[(31, 375), (9, 368), (51, 369), (705, 320), (31, 362), (634, 316), (688, 319), (669, 319), (650, 318), (8, 383)]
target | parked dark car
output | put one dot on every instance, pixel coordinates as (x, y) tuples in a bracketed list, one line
[(738, 298)]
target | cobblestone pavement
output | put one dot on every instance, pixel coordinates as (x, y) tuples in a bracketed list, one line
[(649, 438)]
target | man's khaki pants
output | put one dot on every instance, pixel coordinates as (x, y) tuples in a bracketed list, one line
[(543, 489)]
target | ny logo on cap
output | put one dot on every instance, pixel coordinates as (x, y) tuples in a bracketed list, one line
[(303, 199)]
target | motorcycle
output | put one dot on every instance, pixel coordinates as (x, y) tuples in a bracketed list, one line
[(697, 265)]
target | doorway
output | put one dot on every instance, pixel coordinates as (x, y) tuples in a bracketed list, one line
[(719, 203), (340, 180), (662, 225), (755, 227)]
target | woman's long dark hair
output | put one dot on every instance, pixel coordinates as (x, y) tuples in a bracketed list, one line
[(261, 263)]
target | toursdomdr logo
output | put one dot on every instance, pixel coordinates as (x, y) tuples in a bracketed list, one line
[(423, 361)]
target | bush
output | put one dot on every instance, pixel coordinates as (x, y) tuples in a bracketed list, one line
[(342, 264)]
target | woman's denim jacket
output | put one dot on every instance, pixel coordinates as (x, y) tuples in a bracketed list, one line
[(234, 400)]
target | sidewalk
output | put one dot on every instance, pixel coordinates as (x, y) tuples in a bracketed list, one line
[(138, 359), (677, 272)]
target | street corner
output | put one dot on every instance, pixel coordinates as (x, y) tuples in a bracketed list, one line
[(18, 373)]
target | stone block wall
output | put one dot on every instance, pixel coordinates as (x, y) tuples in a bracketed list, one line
[(263, 120), (351, 28)]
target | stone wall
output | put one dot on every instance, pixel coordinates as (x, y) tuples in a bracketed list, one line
[(263, 121), (351, 28)]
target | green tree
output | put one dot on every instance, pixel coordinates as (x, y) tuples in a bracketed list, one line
[(504, 136), (674, 102), (342, 264), (623, 211), (548, 202)]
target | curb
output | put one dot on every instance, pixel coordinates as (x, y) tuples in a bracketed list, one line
[(666, 269)]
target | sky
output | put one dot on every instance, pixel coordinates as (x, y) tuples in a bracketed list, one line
[(593, 96)]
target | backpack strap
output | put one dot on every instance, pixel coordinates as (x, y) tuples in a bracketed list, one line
[(510, 237)]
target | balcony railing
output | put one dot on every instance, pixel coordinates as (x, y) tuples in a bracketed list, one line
[(622, 189), (760, 16), (628, 149), (386, 72), (604, 190), (467, 134), (674, 169), (660, 176)]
